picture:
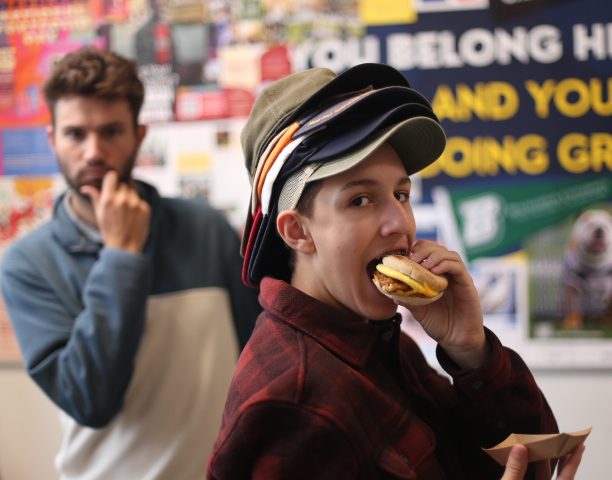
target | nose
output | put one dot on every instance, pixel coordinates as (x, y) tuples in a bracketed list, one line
[(93, 148), (397, 219)]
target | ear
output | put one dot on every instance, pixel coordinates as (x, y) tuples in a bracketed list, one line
[(141, 132), (51, 136), (293, 229)]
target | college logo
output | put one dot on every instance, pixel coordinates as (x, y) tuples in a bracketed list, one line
[(482, 220)]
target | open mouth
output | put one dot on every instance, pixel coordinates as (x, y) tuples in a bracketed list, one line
[(597, 246)]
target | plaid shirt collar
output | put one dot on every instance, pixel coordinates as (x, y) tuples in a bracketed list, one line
[(344, 333)]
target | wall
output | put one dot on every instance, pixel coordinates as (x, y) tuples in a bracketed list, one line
[(29, 431), (581, 399)]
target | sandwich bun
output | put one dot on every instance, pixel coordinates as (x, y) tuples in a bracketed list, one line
[(408, 282)]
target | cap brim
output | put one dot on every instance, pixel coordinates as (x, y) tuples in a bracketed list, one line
[(269, 256), (336, 142), (251, 224), (418, 141)]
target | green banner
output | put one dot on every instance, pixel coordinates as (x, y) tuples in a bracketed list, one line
[(492, 223)]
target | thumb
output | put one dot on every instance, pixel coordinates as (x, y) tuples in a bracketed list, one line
[(517, 463)]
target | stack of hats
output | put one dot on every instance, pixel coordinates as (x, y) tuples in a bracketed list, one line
[(314, 124)]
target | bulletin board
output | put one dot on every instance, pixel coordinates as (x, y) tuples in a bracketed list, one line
[(523, 90)]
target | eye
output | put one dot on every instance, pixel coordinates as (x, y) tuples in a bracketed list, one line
[(403, 196), (360, 201), (75, 134), (111, 131)]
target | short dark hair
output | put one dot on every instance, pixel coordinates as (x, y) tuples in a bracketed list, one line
[(91, 72), (305, 204)]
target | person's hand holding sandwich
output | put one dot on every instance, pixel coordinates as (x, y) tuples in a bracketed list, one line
[(451, 315), (435, 285)]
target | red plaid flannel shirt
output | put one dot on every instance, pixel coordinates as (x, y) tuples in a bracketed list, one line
[(320, 394)]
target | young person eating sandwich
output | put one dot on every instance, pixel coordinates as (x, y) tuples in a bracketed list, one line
[(328, 386)]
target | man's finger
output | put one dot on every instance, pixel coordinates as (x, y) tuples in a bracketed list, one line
[(109, 182), (516, 466)]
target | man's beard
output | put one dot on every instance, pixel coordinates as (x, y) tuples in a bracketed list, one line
[(75, 184)]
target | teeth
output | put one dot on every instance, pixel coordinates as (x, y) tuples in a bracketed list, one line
[(395, 252)]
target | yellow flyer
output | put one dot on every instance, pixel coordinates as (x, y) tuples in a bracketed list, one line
[(387, 12)]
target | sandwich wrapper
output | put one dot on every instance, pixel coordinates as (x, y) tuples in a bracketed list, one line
[(540, 447)]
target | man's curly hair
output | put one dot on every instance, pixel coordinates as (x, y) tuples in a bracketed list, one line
[(90, 72)]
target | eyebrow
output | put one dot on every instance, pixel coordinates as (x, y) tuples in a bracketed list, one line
[(99, 128), (368, 183)]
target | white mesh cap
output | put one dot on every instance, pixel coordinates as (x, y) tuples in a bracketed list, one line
[(418, 141), (294, 186)]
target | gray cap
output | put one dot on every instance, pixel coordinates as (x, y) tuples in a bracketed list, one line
[(284, 100)]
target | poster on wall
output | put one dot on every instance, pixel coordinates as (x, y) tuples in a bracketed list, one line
[(198, 159), (525, 99), (25, 202), (523, 190), (32, 35), (523, 89)]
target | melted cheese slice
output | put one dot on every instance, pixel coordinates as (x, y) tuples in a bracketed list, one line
[(418, 287)]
